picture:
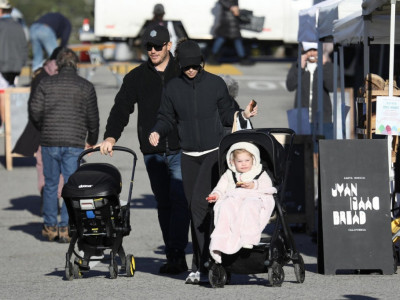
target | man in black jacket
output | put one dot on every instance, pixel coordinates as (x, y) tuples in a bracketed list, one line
[(64, 109), (143, 86)]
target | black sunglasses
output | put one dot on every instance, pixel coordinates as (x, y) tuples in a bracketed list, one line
[(156, 47), (194, 67)]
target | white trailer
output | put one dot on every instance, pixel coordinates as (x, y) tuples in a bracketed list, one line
[(124, 18)]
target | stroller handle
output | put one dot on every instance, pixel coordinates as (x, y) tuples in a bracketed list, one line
[(117, 148), (287, 131)]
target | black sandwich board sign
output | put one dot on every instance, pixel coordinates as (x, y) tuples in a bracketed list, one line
[(354, 207)]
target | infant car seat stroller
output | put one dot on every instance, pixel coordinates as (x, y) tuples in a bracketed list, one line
[(97, 220), (270, 255)]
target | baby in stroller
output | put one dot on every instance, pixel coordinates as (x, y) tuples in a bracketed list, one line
[(244, 201)]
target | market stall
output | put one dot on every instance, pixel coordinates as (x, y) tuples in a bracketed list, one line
[(316, 25)]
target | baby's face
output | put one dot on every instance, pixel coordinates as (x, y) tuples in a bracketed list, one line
[(243, 162)]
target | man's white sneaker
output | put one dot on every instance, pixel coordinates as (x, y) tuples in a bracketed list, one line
[(191, 278), (247, 246), (196, 278)]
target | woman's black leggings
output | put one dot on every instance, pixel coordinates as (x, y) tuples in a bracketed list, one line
[(199, 176)]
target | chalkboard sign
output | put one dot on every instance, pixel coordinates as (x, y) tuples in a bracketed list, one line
[(354, 207)]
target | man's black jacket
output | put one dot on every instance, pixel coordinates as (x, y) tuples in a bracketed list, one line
[(143, 86)]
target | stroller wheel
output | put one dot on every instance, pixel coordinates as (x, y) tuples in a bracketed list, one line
[(130, 265), (276, 275), (68, 271), (76, 271), (113, 268), (299, 270), (217, 276)]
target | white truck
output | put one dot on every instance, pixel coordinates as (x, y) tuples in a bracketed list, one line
[(123, 19)]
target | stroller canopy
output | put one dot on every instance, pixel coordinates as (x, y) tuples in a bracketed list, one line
[(272, 153), (93, 180)]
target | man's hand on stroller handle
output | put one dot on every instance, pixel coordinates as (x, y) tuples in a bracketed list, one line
[(212, 197), (106, 146), (154, 138)]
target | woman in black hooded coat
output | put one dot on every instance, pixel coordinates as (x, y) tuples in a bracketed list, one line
[(199, 104)]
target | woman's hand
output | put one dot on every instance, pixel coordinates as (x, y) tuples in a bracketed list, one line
[(212, 198), (154, 138), (106, 146), (248, 113)]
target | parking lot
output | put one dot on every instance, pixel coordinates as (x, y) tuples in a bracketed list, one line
[(34, 269)]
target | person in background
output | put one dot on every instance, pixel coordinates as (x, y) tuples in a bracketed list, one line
[(28, 143), (18, 16), (198, 103), (13, 52), (158, 14), (233, 90), (309, 86), (143, 87), (44, 34), (175, 29), (228, 29), (64, 109)]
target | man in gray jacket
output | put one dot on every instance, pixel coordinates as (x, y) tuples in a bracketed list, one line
[(64, 109), (13, 50)]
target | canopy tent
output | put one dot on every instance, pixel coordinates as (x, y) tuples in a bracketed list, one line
[(315, 25), (375, 23), (353, 29), (316, 22), (375, 6)]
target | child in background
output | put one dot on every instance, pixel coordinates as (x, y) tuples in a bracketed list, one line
[(244, 202)]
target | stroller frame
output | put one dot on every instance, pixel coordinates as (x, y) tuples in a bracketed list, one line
[(271, 254), (117, 227)]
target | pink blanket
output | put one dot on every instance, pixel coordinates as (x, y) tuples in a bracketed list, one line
[(239, 219)]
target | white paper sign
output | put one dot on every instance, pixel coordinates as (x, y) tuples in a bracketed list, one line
[(387, 115)]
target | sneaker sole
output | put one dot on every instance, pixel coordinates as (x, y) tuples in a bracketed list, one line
[(192, 281)]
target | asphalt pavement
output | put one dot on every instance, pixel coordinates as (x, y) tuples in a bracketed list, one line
[(32, 268)]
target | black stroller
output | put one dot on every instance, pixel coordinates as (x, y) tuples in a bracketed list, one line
[(273, 253), (97, 220)]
